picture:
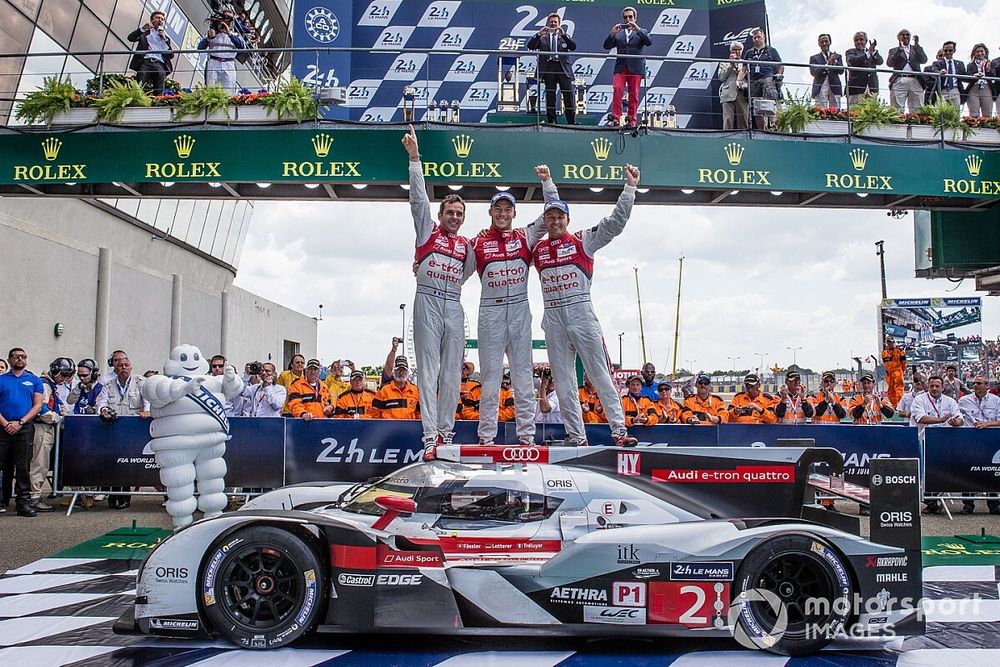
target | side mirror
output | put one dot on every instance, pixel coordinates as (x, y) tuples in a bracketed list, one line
[(397, 504)]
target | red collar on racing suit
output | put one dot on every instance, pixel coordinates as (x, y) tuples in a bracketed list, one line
[(441, 264), (565, 270), (502, 261)]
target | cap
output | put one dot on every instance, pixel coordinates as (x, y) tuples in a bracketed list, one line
[(702, 378), (472, 366), (867, 375), (792, 375), (664, 385), (828, 375), (401, 362), (557, 204), (751, 378), (503, 195), (357, 374), (314, 363), (633, 377)]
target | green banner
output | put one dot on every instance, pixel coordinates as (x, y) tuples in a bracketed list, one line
[(495, 155)]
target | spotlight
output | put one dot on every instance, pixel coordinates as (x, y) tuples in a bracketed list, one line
[(263, 185)]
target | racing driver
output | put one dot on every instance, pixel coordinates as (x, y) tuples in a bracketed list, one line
[(443, 262), (565, 264), (503, 257)]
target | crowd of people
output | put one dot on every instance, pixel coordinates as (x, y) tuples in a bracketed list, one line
[(755, 74)]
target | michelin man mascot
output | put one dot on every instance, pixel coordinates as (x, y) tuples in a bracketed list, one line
[(190, 430)]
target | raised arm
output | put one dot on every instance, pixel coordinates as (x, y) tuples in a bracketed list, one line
[(420, 205), (535, 229), (597, 237)]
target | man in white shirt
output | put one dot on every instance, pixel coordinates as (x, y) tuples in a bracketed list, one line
[(262, 397), (981, 409), (934, 409), (906, 402), (548, 402)]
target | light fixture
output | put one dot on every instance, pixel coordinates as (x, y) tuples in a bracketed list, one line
[(116, 184), (642, 191), (214, 184), (166, 184), (687, 191), (597, 189), (72, 183), (862, 194), (359, 186), (734, 193), (502, 188), (455, 188), (312, 186), (405, 186), (58, 329), (263, 185), (777, 193)]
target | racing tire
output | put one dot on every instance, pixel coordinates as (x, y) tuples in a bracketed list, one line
[(261, 587), (792, 596)]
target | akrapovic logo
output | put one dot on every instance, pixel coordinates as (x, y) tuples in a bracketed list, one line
[(346, 579)]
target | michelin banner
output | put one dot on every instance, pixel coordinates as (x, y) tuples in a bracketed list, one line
[(935, 331), (418, 43)]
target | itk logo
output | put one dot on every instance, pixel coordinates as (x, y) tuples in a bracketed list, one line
[(628, 463), (602, 148), (184, 144)]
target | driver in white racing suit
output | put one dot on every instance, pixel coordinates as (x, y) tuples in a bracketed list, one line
[(503, 258), (443, 261), (565, 264)]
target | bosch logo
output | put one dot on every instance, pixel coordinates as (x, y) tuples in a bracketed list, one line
[(322, 25), (522, 454), (876, 480)]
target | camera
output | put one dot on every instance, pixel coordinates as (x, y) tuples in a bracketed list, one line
[(396, 340), (546, 372), (623, 26), (255, 368)]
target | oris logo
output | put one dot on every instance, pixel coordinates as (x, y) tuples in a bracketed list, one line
[(522, 454), (171, 572)]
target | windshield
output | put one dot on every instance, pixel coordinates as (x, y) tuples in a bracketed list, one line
[(404, 483)]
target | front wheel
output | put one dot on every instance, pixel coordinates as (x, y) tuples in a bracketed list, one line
[(792, 596), (261, 586)]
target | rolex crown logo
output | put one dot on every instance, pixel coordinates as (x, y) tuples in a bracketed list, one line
[(321, 144), (734, 153), (184, 144), (974, 163), (859, 158), (463, 145), (602, 148), (50, 148)]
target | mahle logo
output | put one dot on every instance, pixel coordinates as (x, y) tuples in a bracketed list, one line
[(462, 145), (734, 153), (168, 171), (51, 147), (857, 181), (321, 144)]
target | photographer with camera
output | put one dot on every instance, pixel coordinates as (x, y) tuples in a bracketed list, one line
[(765, 78), (151, 61), (262, 396), (548, 402), (220, 66), (335, 378), (555, 67), (84, 394), (628, 39)]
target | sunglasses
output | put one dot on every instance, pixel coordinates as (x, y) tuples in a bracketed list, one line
[(18, 356), (218, 365), (702, 384), (977, 382)]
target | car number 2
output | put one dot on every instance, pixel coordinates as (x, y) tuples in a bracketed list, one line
[(693, 604)]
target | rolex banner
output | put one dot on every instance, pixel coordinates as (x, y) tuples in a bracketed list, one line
[(935, 331), (420, 43)]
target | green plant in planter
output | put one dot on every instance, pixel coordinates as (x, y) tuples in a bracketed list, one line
[(294, 99), (52, 97), (946, 117), (873, 112), (96, 85), (117, 97), (794, 115), (203, 99)]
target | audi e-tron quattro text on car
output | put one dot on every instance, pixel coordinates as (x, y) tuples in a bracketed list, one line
[(653, 541)]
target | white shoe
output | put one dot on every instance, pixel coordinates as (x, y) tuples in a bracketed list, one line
[(430, 447), (446, 438)]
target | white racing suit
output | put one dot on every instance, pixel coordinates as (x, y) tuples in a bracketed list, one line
[(565, 268), (444, 263), (220, 64), (503, 260)]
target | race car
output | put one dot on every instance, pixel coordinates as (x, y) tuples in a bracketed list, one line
[(600, 541)]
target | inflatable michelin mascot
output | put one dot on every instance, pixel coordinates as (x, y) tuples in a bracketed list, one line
[(190, 430)]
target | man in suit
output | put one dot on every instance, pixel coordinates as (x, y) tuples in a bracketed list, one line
[(864, 54), (950, 84), (555, 67), (906, 91), (827, 87), (629, 40), (151, 60)]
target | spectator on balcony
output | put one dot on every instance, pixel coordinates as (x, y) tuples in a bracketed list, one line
[(555, 67), (628, 39), (950, 86), (827, 86), (733, 89), (864, 54), (766, 74), (906, 91), (979, 95), (220, 66), (152, 60)]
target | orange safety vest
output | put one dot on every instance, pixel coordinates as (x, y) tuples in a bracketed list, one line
[(354, 405), (670, 412), (506, 405), (391, 402), (468, 400), (871, 409), (742, 401), (894, 360), (303, 397), (633, 407), (592, 401), (714, 406), (828, 416)]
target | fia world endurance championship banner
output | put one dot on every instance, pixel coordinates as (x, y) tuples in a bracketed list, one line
[(387, 34)]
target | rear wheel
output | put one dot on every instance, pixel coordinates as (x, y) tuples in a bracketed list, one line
[(261, 587), (792, 596)]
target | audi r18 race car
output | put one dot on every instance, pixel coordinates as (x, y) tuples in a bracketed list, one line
[(649, 541)]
